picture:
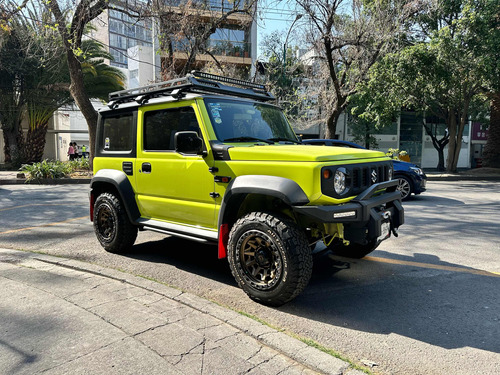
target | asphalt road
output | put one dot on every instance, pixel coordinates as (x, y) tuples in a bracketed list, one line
[(424, 303)]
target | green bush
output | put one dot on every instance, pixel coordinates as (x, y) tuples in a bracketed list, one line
[(45, 169), (79, 164)]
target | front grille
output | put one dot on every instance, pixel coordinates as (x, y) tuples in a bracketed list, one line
[(359, 177)]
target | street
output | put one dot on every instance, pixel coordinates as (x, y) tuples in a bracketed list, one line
[(424, 303)]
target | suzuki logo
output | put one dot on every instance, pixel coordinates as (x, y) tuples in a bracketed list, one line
[(374, 176)]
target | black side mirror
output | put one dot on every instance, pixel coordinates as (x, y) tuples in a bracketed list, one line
[(188, 142)]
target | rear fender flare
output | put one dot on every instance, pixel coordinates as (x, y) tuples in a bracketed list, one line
[(122, 185)]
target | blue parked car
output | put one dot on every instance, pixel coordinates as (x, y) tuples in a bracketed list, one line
[(412, 179)]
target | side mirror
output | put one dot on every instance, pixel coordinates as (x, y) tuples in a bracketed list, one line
[(188, 142)]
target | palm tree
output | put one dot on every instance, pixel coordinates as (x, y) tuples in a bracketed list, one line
[(52, 92)]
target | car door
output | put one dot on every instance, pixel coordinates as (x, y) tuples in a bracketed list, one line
[(171, 186)]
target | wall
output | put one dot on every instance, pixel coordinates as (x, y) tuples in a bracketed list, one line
[(57, 144)]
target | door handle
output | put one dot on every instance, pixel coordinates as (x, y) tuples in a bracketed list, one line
[(146, 167)]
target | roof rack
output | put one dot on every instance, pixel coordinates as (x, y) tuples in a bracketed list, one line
[(195, 82)]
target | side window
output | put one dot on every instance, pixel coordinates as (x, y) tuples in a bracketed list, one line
[(118, 133), (160, 127)]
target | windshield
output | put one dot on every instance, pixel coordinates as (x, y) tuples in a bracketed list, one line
[(246, 122)]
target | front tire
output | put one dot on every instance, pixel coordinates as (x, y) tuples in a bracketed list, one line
[(269, 257), (112, 226)]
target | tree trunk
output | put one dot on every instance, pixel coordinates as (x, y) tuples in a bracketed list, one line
[(491, 154), (451, 122), (331, 124), (82, 100), (35, 142), (13, 137)]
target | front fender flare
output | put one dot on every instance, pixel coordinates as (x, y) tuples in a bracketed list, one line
[(282, 188)]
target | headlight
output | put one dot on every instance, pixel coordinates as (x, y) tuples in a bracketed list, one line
[(417, 170), (339, 181)]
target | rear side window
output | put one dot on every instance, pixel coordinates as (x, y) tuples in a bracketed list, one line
[(160, 127), (118, 133)]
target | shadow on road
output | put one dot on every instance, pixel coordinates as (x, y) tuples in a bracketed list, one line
[(443, 308)]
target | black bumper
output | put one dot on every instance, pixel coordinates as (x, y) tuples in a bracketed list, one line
[(364, 215)]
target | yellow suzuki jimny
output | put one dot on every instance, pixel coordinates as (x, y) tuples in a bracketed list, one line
[(208, 158)]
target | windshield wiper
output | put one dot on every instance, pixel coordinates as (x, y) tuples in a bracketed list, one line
[(248, 139), (278, 139)]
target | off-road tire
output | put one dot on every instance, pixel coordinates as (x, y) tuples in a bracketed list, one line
[(354, 250), (405, 187), (112, 226), (280, 266)]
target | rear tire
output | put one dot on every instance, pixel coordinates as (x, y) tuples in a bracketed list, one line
[(269, 257), (112, 226)]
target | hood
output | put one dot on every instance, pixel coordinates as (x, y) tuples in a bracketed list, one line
[(299, 152)]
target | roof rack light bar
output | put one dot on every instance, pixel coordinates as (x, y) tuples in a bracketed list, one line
[(195, 82), (231, 81)]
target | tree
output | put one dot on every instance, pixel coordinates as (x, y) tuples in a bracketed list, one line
[(185, 29), (52, 91), (71, 35), (16, 65), (438, 75), (33, 63), (284, 74), (351, 36), (482, 18)]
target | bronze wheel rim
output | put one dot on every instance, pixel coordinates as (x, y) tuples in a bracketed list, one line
[(106, 222), (260, 259)]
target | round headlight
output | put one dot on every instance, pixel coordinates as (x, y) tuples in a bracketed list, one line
[(339, 181)]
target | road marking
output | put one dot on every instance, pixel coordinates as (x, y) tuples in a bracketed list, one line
[(433, 266), (44, 225), (31, 205)]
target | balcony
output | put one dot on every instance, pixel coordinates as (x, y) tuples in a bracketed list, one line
[(229, 52)]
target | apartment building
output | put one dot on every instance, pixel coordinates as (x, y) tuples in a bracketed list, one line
[(134, 43)]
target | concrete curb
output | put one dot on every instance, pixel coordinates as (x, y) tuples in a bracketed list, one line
[(463, 177), (270, 337), (45, 181)]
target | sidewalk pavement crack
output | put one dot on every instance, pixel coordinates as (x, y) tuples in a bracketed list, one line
[(149, 329), (84, 355), (203, 354), (228, 336)]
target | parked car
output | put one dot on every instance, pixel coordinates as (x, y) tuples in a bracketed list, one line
[(411, 178)]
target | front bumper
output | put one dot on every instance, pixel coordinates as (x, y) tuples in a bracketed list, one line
[(419, 184), (363, 216)]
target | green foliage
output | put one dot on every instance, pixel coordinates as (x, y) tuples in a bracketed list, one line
[(52, 169), (81, 164), (46, 169)]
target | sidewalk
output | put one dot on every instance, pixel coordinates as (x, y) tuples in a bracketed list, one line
[(61, 316)]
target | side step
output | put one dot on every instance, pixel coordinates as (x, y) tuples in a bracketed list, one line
[(189, 233)]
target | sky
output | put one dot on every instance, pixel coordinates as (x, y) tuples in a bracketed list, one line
[(274, 15)]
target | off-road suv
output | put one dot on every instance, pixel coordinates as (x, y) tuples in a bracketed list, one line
[(208, 158)]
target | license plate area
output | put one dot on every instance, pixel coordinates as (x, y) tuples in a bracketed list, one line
[(385, 230)]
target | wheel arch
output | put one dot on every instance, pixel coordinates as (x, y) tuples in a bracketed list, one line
[(110, 180), (283, 189)]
